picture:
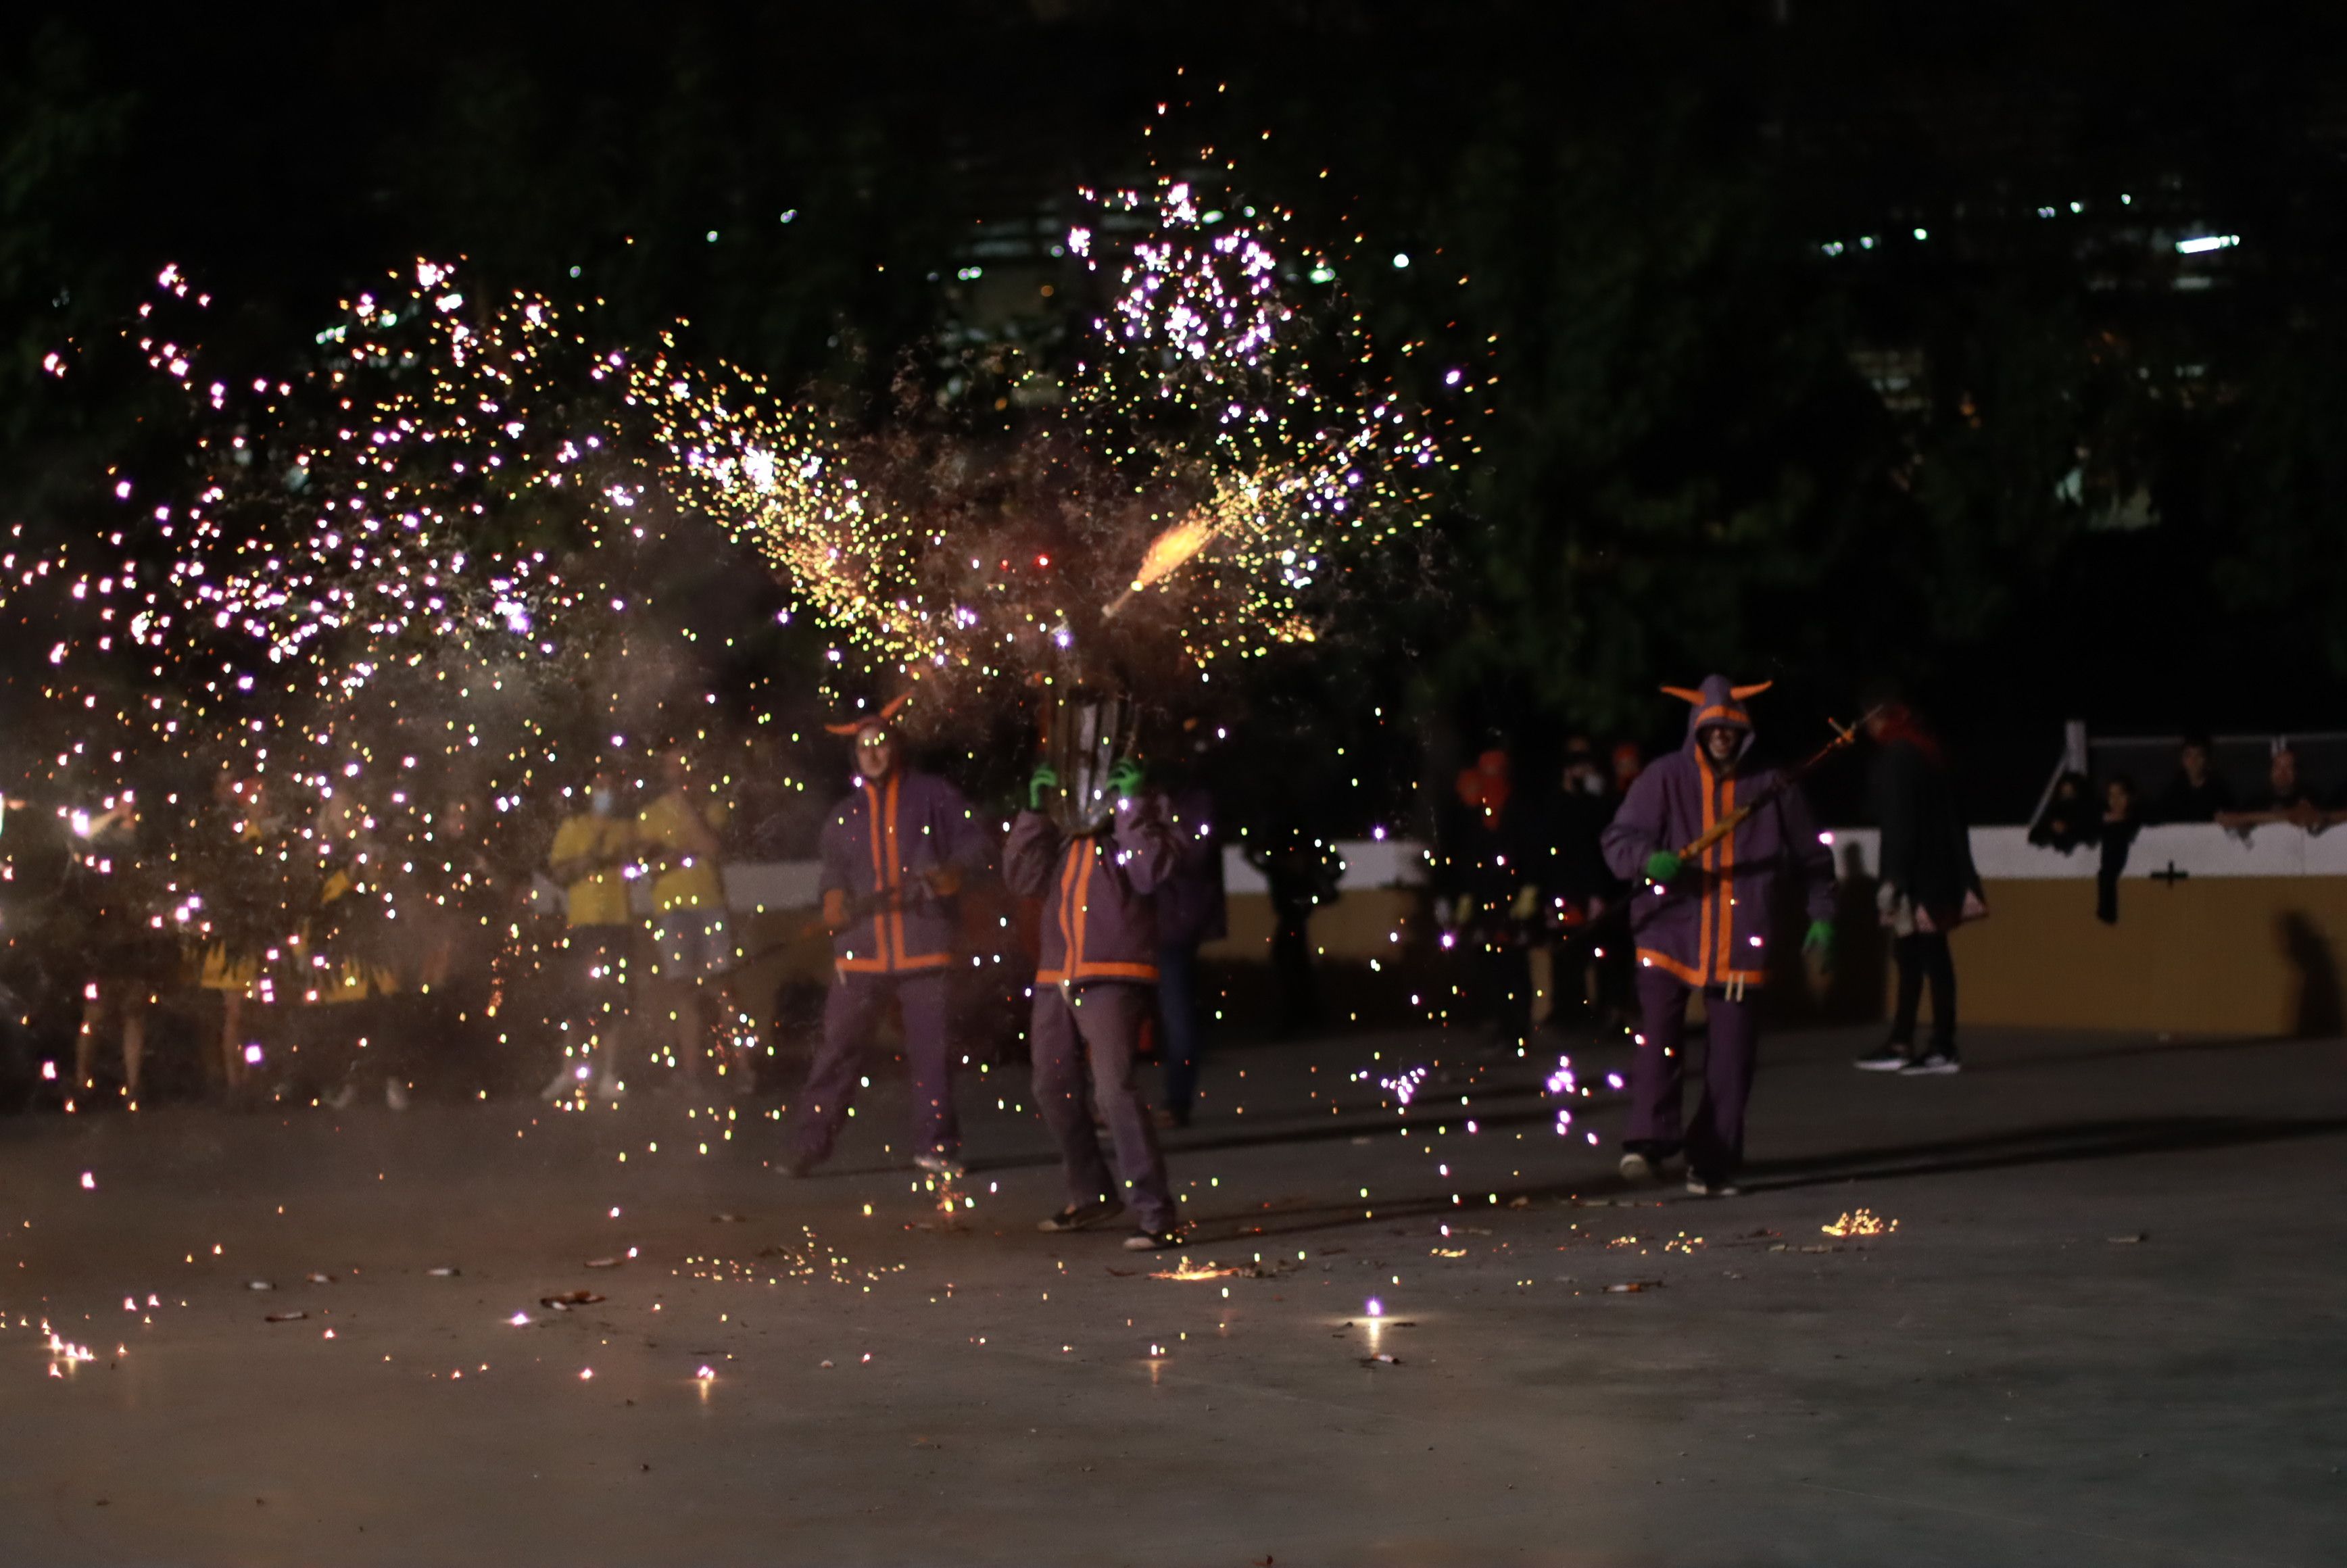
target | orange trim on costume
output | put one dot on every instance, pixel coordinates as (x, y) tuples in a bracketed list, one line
[(879, 873), (895, 880), (1730, 715), (860, 966), (1703, 867), (1664, 962), (1067, 891), (1103, 970), (927, 961), (1089, 856), (1672, 967), (1724, 954)]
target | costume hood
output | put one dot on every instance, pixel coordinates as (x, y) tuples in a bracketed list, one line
[(1717, 704)]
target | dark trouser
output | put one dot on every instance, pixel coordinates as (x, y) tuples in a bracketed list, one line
[(1091, 1032), (849, 1015), (1714, 1140), (1177, 1023), (1924, 956)]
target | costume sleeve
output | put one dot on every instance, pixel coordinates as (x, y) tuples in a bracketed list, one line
[(1636, 830), (1812, 858), (1028, 855), (835, 852), (1147, 848)]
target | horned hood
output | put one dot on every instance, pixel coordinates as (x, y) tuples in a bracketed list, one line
[(1717, 702)]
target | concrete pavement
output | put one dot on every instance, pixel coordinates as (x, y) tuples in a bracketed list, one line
[(2107, 1328)]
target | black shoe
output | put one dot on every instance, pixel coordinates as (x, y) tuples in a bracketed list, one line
[(1153, 1241), (1083, 1216), (799, 1165), (1933, 1063), (1889, 1057)]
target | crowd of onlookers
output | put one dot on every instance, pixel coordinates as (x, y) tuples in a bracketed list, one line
[(2080, 810)]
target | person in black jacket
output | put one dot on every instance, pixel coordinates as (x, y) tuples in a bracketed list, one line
[(1191, 910), (2196, 794), (1928, 885), (1487, 886)]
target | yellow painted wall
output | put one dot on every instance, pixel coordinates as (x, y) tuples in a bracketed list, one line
[(1359, 925), (2214, 955)]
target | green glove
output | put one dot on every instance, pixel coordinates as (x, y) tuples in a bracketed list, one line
[(1126, 778), (1820, 941), (1045, 778), (1662, 866)]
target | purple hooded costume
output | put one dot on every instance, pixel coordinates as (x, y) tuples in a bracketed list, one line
[(1707, 929), (1710, 926), (1093, 993), (883, 842)]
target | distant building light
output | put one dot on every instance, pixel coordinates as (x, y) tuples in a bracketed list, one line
[(2200, 245), (1402, 258), (2077, 207), (1922, 233), (2125, 200)]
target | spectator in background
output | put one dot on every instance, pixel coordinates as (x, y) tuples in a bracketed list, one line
[(1191, 910), (2285, 800), (1488, 892), (1302, 872), (2196, 794), (1928, 884), (2120, 826), (588, 858), (1580, 887), (697, 955), (1629, 762), (2070, 817)]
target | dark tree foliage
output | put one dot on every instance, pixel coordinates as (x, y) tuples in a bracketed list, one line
[(2036, 463)]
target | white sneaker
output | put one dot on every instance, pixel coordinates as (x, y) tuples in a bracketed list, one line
[(394, 1094), (945, 1167), (1698, 1187), (1637, 1168), (339, 1098)]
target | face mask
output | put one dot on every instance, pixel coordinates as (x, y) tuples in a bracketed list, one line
[(602, 802)]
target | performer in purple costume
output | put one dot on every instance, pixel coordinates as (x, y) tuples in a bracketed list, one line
[(1095, 985), (1703, 925), (895, 853)]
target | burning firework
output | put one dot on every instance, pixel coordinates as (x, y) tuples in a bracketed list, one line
[(1195, 492)]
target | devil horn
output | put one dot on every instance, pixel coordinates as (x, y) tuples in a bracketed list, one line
[(1684, 695), (1740, 692)]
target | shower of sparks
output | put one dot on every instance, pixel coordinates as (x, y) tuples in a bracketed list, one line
[(368, 611), (1208, 476)]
